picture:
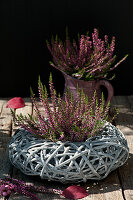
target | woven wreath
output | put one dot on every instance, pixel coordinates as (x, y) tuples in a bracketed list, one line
[(69, 161)]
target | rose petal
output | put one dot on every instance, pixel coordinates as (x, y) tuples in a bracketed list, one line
[(16, 102), (75, 192)]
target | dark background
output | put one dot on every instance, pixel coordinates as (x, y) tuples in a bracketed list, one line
[(26, 24)]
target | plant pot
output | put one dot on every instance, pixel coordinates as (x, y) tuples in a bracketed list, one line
[(69, 161), (89, 87)]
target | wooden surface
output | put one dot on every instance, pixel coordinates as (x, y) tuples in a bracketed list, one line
[(117, 186)]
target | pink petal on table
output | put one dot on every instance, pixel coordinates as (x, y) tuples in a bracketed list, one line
[(16, 102), (75, 192)]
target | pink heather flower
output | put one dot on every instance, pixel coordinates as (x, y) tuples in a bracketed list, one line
[(79, 59), (4, 194), (67, 121), (2, 187)]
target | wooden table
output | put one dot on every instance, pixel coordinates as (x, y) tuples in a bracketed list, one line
[(117, 186)]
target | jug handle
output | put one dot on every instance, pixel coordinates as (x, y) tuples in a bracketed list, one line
[(109, 89)]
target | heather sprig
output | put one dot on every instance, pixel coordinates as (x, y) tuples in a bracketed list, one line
[(10, 185), (67, 120), (88, 59)]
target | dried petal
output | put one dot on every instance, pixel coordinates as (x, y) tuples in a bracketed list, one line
[(75, 192), (16, 102)]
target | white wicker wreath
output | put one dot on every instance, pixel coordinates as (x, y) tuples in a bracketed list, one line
[(69, 161)]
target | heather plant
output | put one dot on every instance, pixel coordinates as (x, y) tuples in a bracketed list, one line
[(67, 120), (87, 59), (10, 185)]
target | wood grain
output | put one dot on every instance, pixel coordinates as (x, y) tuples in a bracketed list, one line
[(2, 101), (125, 124), (5, 129), (107, 189), (5, 119)]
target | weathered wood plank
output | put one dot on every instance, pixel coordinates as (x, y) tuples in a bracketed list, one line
[(124, 117), (24, 110), (125, 124), (5, 130), (107, 189), (5, 119), (130, 99), (17, 197), (5, 166), (2, 101)]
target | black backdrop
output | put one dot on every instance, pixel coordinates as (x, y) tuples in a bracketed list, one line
[(26, 24)]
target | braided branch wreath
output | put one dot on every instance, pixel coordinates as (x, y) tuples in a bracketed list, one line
[(69, 161)]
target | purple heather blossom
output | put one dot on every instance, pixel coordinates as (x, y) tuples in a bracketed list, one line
[(66, 121), (88, 59), (10, 185)]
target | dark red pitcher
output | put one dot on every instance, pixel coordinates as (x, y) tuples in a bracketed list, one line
[(89, 87)]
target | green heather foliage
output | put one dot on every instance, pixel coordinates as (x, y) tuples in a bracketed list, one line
[(67, 120), (88, 59)]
